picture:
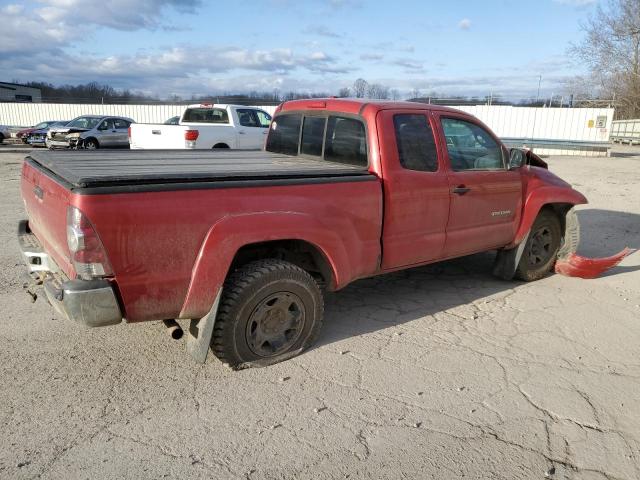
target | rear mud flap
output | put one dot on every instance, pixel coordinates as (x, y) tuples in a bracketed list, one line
[(200, 332)]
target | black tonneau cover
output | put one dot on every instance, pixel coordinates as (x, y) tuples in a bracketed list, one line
[(102, 168)]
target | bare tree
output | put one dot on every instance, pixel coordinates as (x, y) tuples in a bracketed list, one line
[(378, 91), (395, 94), (611, 49), (360, 88), (344, 92)]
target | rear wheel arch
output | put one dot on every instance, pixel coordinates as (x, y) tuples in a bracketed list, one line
[(220, 145), (301, 253)]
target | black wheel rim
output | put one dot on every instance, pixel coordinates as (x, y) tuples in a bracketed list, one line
[(275, 324), (540, 246)]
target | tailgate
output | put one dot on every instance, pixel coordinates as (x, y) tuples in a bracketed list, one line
[(157, 137), (46, 204)]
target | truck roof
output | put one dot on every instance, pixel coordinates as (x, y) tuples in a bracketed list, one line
[(357, 105), (126, 168), (217, 105)]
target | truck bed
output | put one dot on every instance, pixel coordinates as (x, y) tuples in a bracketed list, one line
[(81, 170)]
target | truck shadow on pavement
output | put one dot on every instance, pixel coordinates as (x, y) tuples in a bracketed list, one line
[(389, 300)]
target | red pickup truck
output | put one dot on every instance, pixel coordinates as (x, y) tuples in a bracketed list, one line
[(244, 243)]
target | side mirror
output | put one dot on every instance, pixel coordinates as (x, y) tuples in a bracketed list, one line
[(517, 158)]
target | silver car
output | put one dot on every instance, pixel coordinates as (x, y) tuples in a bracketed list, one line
[(4, 133), (91, 132)]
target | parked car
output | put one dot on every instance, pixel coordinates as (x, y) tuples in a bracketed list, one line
[(91, 132), (25, 132), (346, 189), (4, 133), (39, 137), (206, 126)]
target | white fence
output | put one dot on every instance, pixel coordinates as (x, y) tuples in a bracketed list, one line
[(27, 114), (509, 123), (577, 124), (574, 124)]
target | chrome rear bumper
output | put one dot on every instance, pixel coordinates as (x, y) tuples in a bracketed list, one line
[(92, 303)]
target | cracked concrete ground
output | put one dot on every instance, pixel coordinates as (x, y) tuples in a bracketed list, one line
[(437, 372)]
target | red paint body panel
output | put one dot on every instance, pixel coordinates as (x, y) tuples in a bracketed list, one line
[(171, 250), (416, 206), (48, 214), (487, 216), (577, 266)]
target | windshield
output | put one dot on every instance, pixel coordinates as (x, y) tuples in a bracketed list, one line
[(85, 122)]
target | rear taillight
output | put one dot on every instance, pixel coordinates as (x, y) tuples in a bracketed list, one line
[(87, 253), (129, 133), (191, 135)]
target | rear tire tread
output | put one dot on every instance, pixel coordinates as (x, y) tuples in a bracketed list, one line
[(235, 285)]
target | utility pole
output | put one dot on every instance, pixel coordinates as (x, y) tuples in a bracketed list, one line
[(538, 95)]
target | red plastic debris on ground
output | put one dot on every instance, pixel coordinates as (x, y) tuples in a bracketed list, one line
[(576, 266)]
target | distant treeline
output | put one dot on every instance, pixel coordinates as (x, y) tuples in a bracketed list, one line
[(95, 92)]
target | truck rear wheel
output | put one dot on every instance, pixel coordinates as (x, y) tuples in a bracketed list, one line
[(541, 250), (270, 310)]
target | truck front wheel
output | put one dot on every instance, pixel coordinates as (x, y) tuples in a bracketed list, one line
[(541, 250), (270, 310)]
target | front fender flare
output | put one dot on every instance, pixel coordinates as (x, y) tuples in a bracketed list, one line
[(539, 198)]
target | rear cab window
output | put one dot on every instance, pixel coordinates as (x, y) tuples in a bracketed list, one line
[(332, 137), (206, 115)]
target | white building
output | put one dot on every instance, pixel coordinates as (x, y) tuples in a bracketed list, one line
[(14, 92)]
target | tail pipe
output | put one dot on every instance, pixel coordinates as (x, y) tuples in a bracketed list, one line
[(173, 329)]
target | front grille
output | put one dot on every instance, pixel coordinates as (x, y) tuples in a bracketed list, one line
[(59, 137)]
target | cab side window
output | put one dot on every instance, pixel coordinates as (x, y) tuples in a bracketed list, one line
[(120, 124), (416, 143), (106, 125), (247, 118), (471, 147)]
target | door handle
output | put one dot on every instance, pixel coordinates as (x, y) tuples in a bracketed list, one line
[(241, 133), (461, 190)]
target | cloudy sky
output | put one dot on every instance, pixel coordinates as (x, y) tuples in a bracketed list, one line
[(186, 47)]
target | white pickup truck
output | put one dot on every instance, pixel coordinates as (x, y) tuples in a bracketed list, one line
[(205, 126)]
